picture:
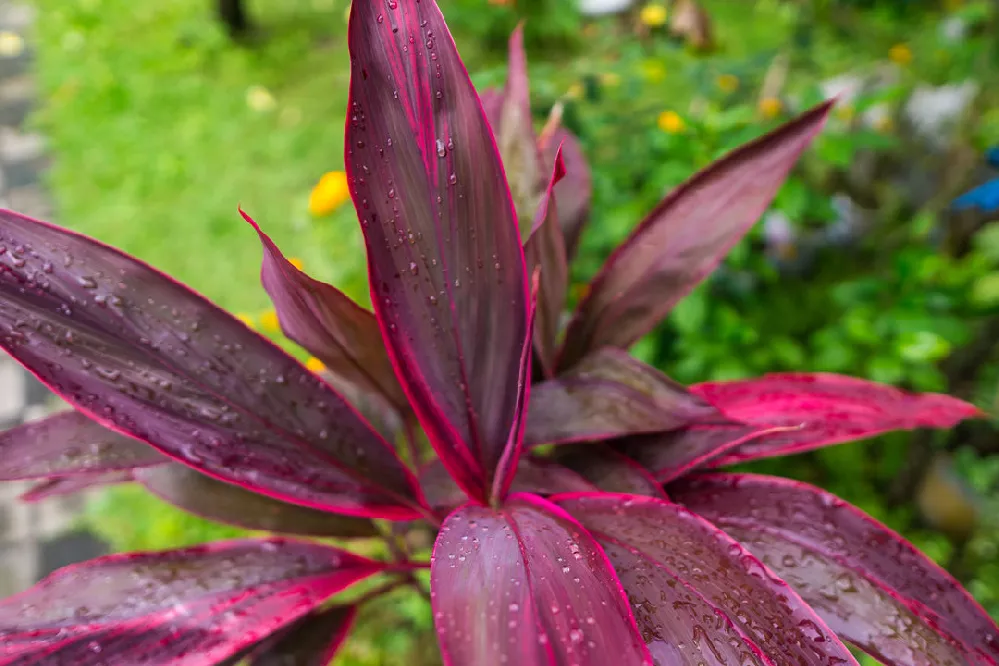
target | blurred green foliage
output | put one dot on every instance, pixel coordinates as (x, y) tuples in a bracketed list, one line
[(157, 139)]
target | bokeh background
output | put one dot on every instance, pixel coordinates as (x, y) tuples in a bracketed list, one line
[(159, 121)]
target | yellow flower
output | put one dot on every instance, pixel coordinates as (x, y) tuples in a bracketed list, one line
[(260, 98), (728, 83), (315, 365), (329, 194), (246, 319), (884, 124), (610, 79), (653, 15), (845, 112), (296, 262), (269, 320), (653, 71), (770, 107), (671, 122), (900, 54), (575, 91)]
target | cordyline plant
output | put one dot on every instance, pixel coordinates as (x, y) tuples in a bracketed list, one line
[(611, 550)]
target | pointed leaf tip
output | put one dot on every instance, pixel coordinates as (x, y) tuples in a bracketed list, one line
[(448, 278), (684, 238)]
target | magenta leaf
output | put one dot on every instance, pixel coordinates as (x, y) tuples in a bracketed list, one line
[(870, 585), (69, 443), (608, 469), (534, 475), (60, 486), (825, 409), (515, 138), (682, 241), (545, 249), (670, 455), (697, 595), (526, 585), (189, 607), (323, 320), (209, 498), (574, 191), (444, 255), (611, 394), (312, 641), (147, 357)]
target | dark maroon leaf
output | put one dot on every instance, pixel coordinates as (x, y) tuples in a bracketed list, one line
[(69, 443), (574, 191), (146, 356), (698, 596), (189, 607), (312, 641), (608, 470), (534, 475), (611, 394), (69, 485), (204, 496), (873, 587), (321, 318), (669, 455), (515, 138), (545, 249), (824, 409), (444, 255), (526, 585), (684, 238)]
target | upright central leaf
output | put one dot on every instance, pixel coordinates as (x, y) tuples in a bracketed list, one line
[(447, 270)]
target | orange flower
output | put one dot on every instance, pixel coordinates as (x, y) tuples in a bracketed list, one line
[(330, 193)]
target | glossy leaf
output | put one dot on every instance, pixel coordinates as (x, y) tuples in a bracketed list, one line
[(69, 443), (444, 254), (60, 486), (825, 409), (312, 641), (873, 588), (545, 250), (575, 190), (610, 394), (526, 585), (189, 607), (145, 356), (534, 475), (698, 596), (608, 469), (669, 455), (682, 241), (323, 320), (204, 496)]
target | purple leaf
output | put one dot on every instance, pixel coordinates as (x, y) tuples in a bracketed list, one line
[(69, 443), (697, 595), (682, 241), (312, 641), (611, 394), (319, 317), (534, 475), (670, 455), (204, 496), (873, 587), (189, 607), (515, 138), (447, 270), (608, 470), (527, 585), (574, 191), (147, 357), (825, 409), (69, 485), (545, 249)]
